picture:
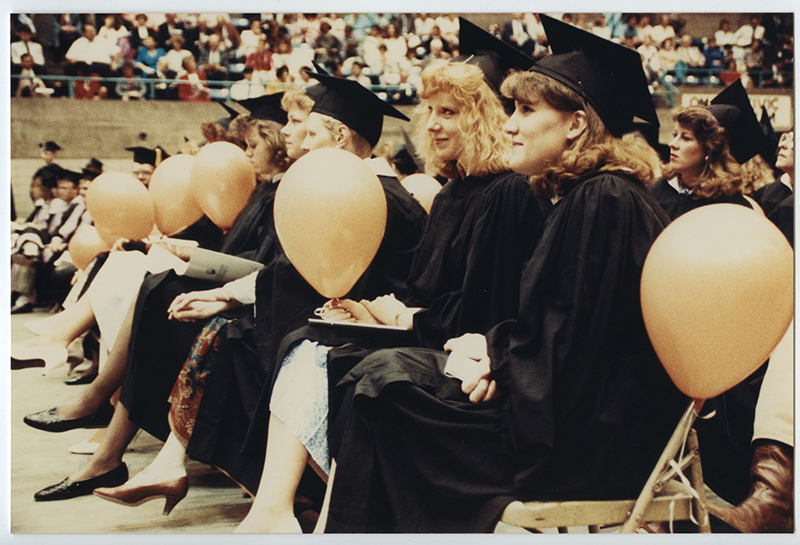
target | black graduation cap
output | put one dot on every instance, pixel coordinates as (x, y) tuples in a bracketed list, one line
[(89, 174), (94, 165), (49, 146), (771, 140), (266, 107), (147, 156), (607, 75), (64, 174), (733, 111), (319, 68), (315, 91), (224, 121), (492, 55), (354, 105)]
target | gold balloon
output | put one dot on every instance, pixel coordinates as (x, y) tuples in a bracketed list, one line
[(423, 188), (121, 205), (84, 246), (717, 296), (175, 206), (222, 180), (330, 216)]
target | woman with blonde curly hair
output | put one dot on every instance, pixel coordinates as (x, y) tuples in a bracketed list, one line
[(466, 270)]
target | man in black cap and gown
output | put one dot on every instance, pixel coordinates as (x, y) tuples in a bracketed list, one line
[(145, 161)]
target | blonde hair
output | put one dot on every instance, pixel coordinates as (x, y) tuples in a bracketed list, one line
[(594, 151), (361, 147), (636, 140), (295, 99), (481, 120), (267, 130), (756, 173), (721, 175)]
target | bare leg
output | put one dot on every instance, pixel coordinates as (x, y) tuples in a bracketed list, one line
[(273, 507), (71, 324), (322, 521), (107, 382), (108, 455), (169, 464)]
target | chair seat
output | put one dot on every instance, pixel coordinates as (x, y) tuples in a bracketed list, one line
[(536, 515)]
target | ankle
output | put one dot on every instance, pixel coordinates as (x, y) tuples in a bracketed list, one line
[(95, 467)]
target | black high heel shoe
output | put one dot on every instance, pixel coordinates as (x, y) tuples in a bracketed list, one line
[(68, 489)]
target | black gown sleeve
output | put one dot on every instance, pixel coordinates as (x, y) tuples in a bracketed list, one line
[(503, 238)]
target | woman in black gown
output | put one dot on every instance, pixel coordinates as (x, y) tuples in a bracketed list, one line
[(568, 401)]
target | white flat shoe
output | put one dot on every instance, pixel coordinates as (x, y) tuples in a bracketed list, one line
[(84, 447), (52, 355), (40, 326)]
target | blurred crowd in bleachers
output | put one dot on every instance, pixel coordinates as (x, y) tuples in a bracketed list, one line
[(195, 57)]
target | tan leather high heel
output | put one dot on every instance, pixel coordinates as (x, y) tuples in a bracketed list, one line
[(173, 491)]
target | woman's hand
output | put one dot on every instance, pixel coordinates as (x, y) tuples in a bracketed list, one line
[(386, 309), (347, 310), (476, 376), (198, 305)]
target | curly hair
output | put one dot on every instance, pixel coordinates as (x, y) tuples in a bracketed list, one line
[(756, 173), (214, 132), (481, 121), (295, 99), (594, 151), (267, 130), (721, 175)]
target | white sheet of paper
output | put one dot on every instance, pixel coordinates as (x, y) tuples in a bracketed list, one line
[(160, 260)]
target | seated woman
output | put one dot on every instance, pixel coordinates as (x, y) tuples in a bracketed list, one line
[(568, 401), (155, 341)]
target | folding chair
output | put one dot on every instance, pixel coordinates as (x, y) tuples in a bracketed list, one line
[(668, 495)]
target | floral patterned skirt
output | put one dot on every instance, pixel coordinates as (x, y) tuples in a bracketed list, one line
[(189, 387)]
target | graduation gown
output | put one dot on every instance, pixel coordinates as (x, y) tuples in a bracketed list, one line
[(771, 195), (159, 346), (244, 364), (676, 204), (783, 218), (585, 407)]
